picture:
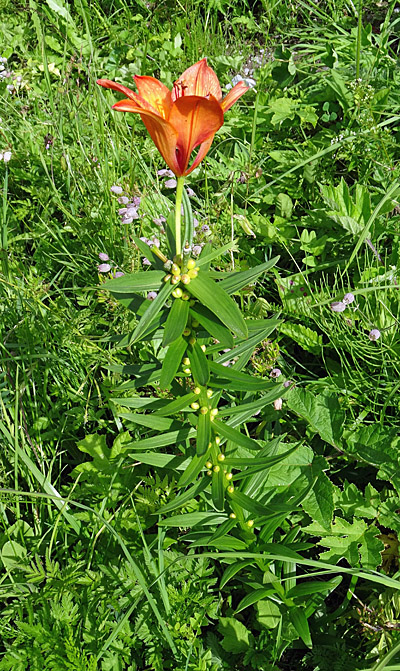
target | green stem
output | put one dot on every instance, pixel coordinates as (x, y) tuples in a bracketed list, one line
[(358, 46), (178, 205)]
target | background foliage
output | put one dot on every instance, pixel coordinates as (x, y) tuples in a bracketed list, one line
[(112, 558)]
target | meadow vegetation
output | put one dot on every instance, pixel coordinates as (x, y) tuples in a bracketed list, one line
[(126, 543)]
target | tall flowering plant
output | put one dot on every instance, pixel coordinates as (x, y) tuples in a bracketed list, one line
[(206, 340)]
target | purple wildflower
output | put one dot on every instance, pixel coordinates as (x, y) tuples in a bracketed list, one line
[(118, 273), (348, 298), (146, 262), (205, 228), (136, 201), (104, 268), (103, 256), (275, 372), (374, 334), (196, 249), (165, 172), (151, 295), (170, 183), (287, 383), (123, 200), (159, 221), (190, 192), (116, 189), (338, 306)]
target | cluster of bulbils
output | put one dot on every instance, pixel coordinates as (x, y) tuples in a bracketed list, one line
[(181, 271)]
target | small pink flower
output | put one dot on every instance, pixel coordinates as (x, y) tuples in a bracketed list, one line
[(103, 256), (275, 372), (374, 335), (151, 295), (338, 306), (278, 404), (104, 268), (170, 183), (348, 298)]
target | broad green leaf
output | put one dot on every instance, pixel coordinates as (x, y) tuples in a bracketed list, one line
[(354, 541), (323, 412), (300, 623), (235, 281), (176, 321), (172, 361), (254, 596), (319, 503), (235, 436), (199, 365), (179, 501), (13, 555), (203, 434), (235, 635), (150, 280), (269, 614), (151, 312), (212, 325), (210, 294)]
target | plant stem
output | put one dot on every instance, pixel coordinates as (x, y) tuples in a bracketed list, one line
[(178, 205), (358, 46)]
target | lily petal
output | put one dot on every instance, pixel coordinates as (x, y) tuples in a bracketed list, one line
[(203, 150), (233, 95), (198, 80), (196, 119), (155, 93), (140, 102), (161, 132)]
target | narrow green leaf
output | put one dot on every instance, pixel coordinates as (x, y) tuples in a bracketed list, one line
[(177, 404), (149, 280), (313, 587), (172, 361), (199, 365), (152, 421), (196, 465), (147, 253), (235, 436), (212, 325), (164, 439), (235, 281), (176, 321), (257, 508), (210, 294), (242, 381), (151, 312), (223, 529), (187, 218), (161, 460), (210, 254), (234, 568), (250, 409), (193, 519), (179, 501), (203, 434), (218, 489)]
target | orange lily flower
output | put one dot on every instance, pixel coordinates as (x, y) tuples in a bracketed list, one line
[(180, 120)]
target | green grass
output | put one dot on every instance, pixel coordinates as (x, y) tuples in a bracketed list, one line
[(89, 577)]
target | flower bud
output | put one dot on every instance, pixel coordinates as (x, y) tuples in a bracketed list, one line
[(208, 464), (250, 523), (209, 393), (186, 332), (214, 412), (217, 440), (192, 273), (175, 270), (231, 489), (187, 371), (175, 279), (177, 292), (185, 296), (229, 476), (209, 472), (221, 457), (185, 279), (186, 361), (203, 348), (191, 264), (192, 340), (216, 469), (195, 323), (197, 390), (194, 406), (204, 410), (232, 516)]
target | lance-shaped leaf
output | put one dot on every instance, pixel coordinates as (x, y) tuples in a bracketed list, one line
[(212, 325), (193, 469), (236, 281), (235, 436), (233, 379), (210, 294), (151, 312), (179, 501), (151, 280), (172, 361), (176, 321), (218, 488), (178, 404), (199, 365), (203, 434)]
